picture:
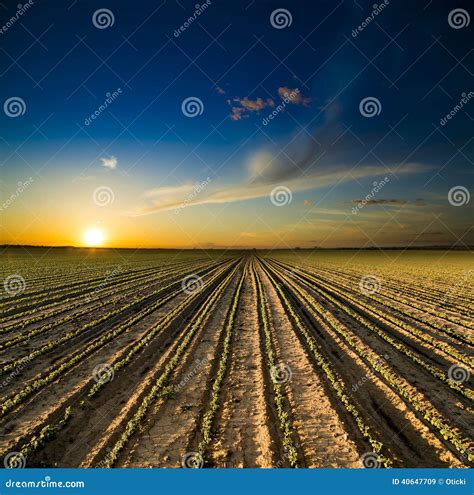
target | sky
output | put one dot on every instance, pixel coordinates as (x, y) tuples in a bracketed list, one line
[(268, 124)]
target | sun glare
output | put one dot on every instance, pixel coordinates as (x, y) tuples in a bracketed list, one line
[(94, 237)]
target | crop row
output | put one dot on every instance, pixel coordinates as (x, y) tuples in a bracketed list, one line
[(281, 404), (122, 294), (208, 417), (388, 300), (58, 370), (410, 395), (109, 315), (149, 399), (335, 383), (400, 325), (426, 293), (60, 299)]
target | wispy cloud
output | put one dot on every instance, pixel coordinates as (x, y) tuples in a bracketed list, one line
[(294, 96), (247, 105), (254, 187), (110, 163), (305, 165)]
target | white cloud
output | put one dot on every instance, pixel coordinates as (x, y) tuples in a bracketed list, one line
[(166, 198), (110, 163)]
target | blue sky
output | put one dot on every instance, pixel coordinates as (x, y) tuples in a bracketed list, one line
[(238, 65)]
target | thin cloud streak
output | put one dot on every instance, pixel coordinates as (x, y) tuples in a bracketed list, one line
[(167, 198)]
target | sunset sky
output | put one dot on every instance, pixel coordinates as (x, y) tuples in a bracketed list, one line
[(145, 174)]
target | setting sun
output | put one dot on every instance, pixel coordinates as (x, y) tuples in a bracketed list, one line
[(94, 237)]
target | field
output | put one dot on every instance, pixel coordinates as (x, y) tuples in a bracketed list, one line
[(236, 359)]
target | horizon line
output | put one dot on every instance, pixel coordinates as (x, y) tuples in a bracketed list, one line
[(228, 248)]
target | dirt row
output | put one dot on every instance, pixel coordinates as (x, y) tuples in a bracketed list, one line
[(151, 412)]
